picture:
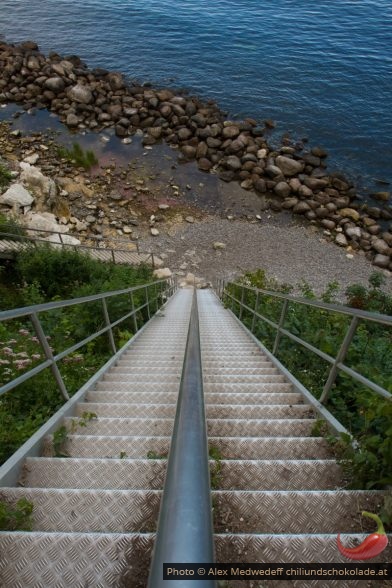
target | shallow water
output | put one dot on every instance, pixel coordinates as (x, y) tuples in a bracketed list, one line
[(320, 70)]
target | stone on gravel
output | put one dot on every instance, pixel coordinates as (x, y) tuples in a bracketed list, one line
[(154, 232), (350, 213), (218, 245), (381, 260), (341, 240), (189, 219), (282, 189)]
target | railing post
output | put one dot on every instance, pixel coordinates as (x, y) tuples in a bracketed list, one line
[(254, 311), (148, 302), (113, 257), (339, 358), (281, 323), (133, 313), (242, 302), (48, 354), (107, 321)]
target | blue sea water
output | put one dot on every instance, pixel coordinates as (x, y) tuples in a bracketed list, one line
[(319, 69)]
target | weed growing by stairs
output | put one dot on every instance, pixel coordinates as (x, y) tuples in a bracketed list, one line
[(18, 517), (60, 436)]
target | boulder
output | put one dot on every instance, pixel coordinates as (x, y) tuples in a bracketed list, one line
[(162, 273), (43, 188), (289, 167), (381, 260), (350, 213), (81, 94), (282, 189), (54, 84), (230, 132), (341, 240), (17, 196)]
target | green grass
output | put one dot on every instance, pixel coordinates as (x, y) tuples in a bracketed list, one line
[(5, 176), (78, 156)]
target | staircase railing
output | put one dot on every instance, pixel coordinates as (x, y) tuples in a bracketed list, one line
[(225, 291), (154, 295), (184, 532), (117, 254)]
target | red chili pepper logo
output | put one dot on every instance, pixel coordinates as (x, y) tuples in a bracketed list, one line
[(372, 546)]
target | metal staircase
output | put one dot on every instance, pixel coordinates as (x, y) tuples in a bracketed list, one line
[(276, 490)]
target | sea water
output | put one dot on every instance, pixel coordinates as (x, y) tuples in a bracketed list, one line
[(321, 70)]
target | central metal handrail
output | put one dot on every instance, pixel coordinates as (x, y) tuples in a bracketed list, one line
[(337, 362), (184, 532)]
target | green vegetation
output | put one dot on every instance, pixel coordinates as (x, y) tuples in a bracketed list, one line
[(18, 517), (10, 225), (155, 455), (78, 156), (365, 414), (5, 176), (44, 275), (60, 437), (215, 455)]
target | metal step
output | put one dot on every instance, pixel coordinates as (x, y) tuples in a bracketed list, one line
[(118, 474), (156, 398), (110, 446), (293, 512), (271, 447), (259, 428), (106, 409), (137, 427), (92, 511)]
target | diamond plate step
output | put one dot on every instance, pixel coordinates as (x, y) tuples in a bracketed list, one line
[(294, 512), (272, 447), (259, 428), (288, 548), (137, 378), (289, 474), (110, 446), (106, 409), (77, 560), (147, 427), (252, 387), (248, 411), (75, 511), (124, 473), (132, 397), (253, 398), (219, 378), (139, 387)]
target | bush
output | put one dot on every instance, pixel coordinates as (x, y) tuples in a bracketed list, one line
[(365, 414)]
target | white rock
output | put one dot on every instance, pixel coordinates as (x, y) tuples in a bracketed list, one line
[(127, 230), (80, 93), (189, 219), (35, 181), (64, 239), (341, 240), (154, 232), (42, 222), (163, 206), (217, 245), (32, 159), (16, 196), (162, 273)]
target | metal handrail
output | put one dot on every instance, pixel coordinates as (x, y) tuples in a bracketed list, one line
[(337, 362), (184, 532), (163, 289), (19, 237)]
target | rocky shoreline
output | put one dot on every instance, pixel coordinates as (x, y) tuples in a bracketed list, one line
[(290, 178)]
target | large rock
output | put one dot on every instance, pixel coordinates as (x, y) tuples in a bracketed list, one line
[(230, 132), (233, 162), (43, 188), (380, 246), (54, 84), (350, 213), (381, 260), (62, 240), (162, 273), (289, 167), (42, 222), (81, 94), (17, 196), (282, 189)]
